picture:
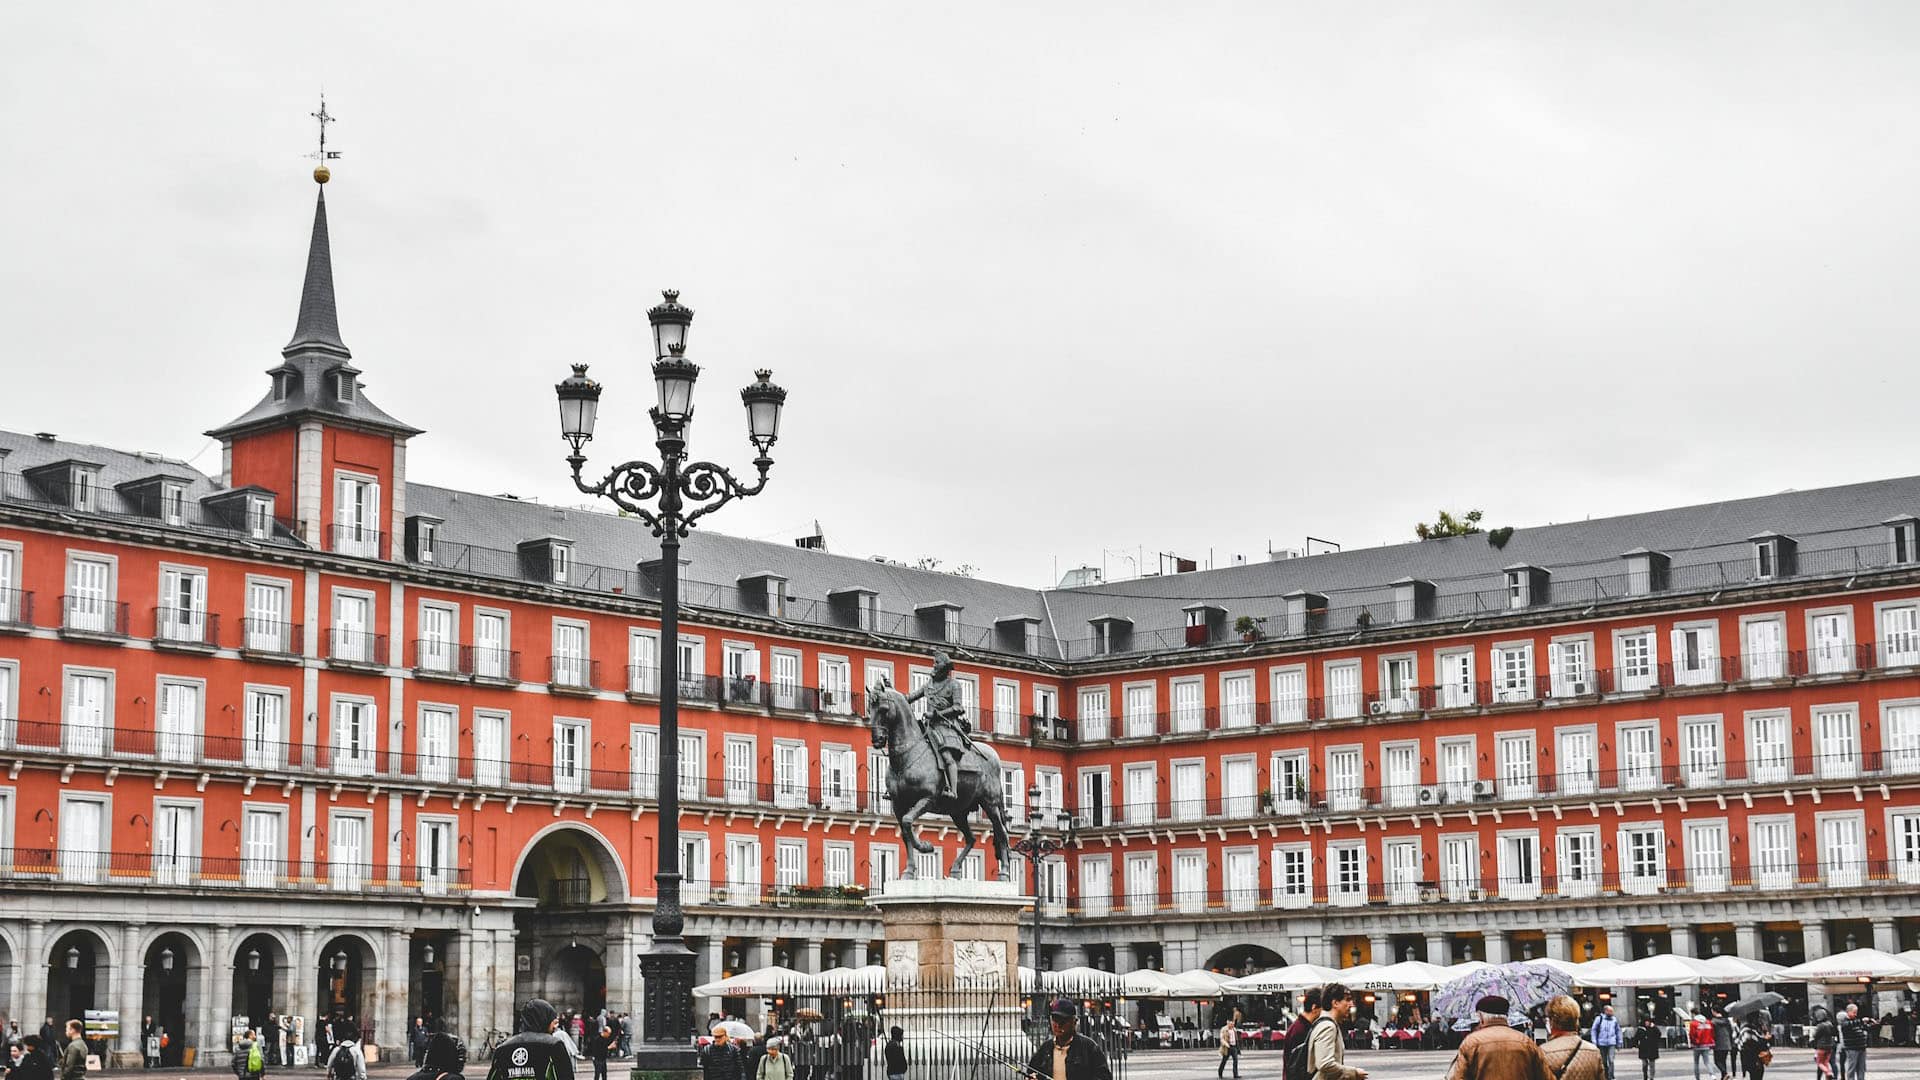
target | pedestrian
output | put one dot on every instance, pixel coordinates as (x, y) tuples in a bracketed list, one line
[(1230, 1046), (417, 1041), (1496, 1050), (600, 1044), (1856, 1032), (1067, 1054), (1756, 1046), (723, 1059), (535, 1052), (1605, 1034), (1647, 1045), (1700, 1039), (249, 1060), (1326, 1050), (626, 1034), (73, 1059), (1826, 1037), (1723, 1056), (445, 1059), (774, 1065), (1568, 1055), (1293, 1045), (27, 1060), (896, 1054)]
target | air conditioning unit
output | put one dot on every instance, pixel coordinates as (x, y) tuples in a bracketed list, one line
[(826, 699), (1432, 796), (1483, 789), (1429, 895), (1378, 708), (1476, 894), (1579, 688)]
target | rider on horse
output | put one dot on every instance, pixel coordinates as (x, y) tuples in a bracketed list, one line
[(946, 725)]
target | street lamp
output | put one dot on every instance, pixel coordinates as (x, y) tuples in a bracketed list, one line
[(73, 958), (1034, 847), (669, 496), (339, 961), (166, 960)]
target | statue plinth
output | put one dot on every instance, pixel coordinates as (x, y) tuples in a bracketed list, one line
[(947, 932)]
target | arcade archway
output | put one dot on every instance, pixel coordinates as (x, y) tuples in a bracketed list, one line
[(169, 994), (77, 974), (568, 866), (1243, 960), (347, 971), (261, 983)]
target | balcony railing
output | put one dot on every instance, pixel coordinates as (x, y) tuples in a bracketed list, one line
[(187, 627), (354, 540), (151, 869), (573, 673), (356, 648), (93, 615), (439, 657), (16, 609), (271, 637), (495, 665)]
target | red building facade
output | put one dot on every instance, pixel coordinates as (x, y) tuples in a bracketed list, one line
[(311, 735)]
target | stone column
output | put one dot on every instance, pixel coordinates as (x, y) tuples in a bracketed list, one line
[(1556, 943), (1813, 937), (1620, 947), (1069, 955), (396, 983), (34, 974), (469, 1021), (1747, 945), (129, 975), (505, 969), (1685, 943), (809, 958), (1437, 950), (715, 955), (301, 980), (760, 956), (206, 1018), (215, 1039), (1886, 938), (1125, 959), (1495, 943)]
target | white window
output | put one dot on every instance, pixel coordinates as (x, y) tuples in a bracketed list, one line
[(489, 748), (569, 755), (570, 654), (1346, 874), (1513, 672), (83, 838), (789, 864), (353, 736), (739, 766), (1095, 722), (743, 870), (789, 774), (1013, 793), (1639, 756), (433, 856), (10, 604), (1764, 652), (836, 685), (173, 503), (1096, 804), (1579, 761), (1402, 874), (1006, 707), (1899, 634), (1572, 667), (1768, 759), (1518, 771), (424, 540), (352, 627), (1900, 732), (560, 563), (87, 719), (689, 668), (347, 851), (1459, 866), (183, 606), (9, 709), (644, 761), (259, 517), (1400, 768), (1903, 847), (1189, 705), (836, 864), (90, 604), (1642, 859), (786, 679), (1292, 876), (356, 515), (1344, 773), (1343, 689), (1242, 879), (1143, 879), (435, 650), (696, 868), (1237, 787), (1140, 793), (1696, 654), (1832, 636), (1189, 801), (1139, 703), (1843, 861), (840, 778), (1289, 695), (1519, 588), (1236, 700), (1053, 882), (1903, 542), (1458, 768), (437, 726), (1189, 881), (266, 731), (1635, 661), (260, 857), (1046, 702), (1772, 852), (492, 657), (1456, 680), (86, 484), (177, 733), (1289, 777), (268, 628), (1052, 792), (1579, 862), (1836, 742), (1520, 865), (743, 671), (1096, 886), (1399, 688), (1707, 862), (643, 662), (1701, 751), (883, 865)]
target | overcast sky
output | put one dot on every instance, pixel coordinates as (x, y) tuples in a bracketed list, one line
[(1043, 280)]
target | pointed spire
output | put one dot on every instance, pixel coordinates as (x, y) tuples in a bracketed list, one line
[(318, 328)]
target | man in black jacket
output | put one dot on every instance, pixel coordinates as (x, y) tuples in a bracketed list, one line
[(1856, 1032), (1068, 1055), (536, 1053)]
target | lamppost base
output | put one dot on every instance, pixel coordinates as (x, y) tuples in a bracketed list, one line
[(666, 972), (665, 1063)]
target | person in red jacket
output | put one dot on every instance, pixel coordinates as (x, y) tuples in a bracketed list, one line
[(1700, 1038)]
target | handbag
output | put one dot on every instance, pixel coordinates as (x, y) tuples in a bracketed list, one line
[(1766, 1056)]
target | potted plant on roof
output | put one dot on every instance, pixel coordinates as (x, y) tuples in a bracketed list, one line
[(1248, 628)]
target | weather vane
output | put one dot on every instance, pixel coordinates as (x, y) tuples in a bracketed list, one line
[(323, 155)]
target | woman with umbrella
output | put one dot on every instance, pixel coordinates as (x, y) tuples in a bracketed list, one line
[(1756, 1045)]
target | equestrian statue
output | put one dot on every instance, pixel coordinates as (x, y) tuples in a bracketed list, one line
[(934, 766)]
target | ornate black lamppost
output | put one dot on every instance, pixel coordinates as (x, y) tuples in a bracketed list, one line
[(1036, 846), (669, 496)]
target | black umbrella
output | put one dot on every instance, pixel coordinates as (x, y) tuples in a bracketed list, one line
[(1755, 1003)]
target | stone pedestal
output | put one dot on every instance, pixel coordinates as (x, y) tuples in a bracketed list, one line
[(944, 933)]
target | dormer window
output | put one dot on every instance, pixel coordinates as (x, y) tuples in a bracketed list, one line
[(429, 532), (281, 381), (260, 517), (561, 563), (1766, 560), (1903, 539), (85, 479), (1517, 588), (173, 503), (343, 387), (1772, 556), (1526, 586)]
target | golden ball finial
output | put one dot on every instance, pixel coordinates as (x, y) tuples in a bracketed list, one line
[(321, 174)]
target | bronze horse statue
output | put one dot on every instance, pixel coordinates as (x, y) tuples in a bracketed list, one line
[(913, 776)]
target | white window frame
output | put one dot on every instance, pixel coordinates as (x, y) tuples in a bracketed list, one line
[(1578, 879), (1513, 681), (435, 879), (84, 739), (359, 646), (350, 875), (1343, 703), (643, 678), (1572, 672), (1096, 903), (1237, 691), (567, 670), (257, 870), (1291, 890), (364, 541), (1703, 877), (1344, 890), (1897, 646), (1343, 797), (1187, 704), (1285, 703), (277, 638), (836, 684), (1638, 773), (1899, 735), (85, 865), (362, 760), (1692, 772), (495, 662), (1703, 669), (1763, 664), (1516, 783), (1827, 655), (1096, 713), (1400, 786), (442, 764), (171, 623), (442, 657), (1830, 763), (572, 772), (1636, 679), (1518, 883), (85, 614), (178, 744), (1768, 770), (1782, 871), (1455, 693)]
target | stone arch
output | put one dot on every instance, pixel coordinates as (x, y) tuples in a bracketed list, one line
[(80, 962), (1245, 959), (348, 971), (569, 863), (261, 967), (172, 962)]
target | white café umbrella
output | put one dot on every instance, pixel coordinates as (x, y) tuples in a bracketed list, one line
[(760, 982), (1465, 967), (1026, 979), (1853, 966), (871, 979), (1594, 972), (1564, 967), (1148, 983), (1408, 975), (1204, 979), (1734, 969), (1079, 980), (1282, 979), (1665, 969)]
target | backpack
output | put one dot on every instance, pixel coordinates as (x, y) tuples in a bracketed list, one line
[(1296, 1064), (256, 1063)]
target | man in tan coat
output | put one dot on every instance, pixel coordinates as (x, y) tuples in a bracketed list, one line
[(1569, 1056), (1326, 1050), (1496, 1050)]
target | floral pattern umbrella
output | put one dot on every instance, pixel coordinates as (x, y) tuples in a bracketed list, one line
[(1523, 985)]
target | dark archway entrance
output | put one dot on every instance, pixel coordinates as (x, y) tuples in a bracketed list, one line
[(427, 996), (261, 985), (1243, 960), (171, 972), (569, 867), (77, 976), (577, 980), (346, 971)]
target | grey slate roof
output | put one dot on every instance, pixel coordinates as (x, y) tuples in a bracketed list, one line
[(318, 325)]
